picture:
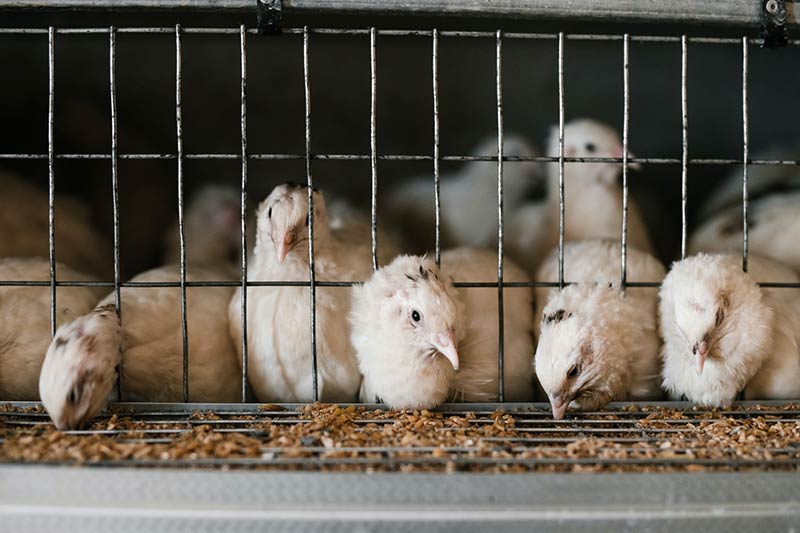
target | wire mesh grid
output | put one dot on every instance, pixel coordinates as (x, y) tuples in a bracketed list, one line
[(668, 436)]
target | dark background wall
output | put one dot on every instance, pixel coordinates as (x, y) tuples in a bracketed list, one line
[(340, 101)]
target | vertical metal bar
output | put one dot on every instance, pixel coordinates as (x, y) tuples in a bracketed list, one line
[(310, 183), (373, 148), (243, 60), (436, 154), (745, 152), (501, 337), (51, 61), (561, 160), (684, 145), (625, 123), (182, 236), (112, 84)]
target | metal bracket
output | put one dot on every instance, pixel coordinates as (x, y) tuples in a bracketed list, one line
[(773, 23), (269, 17)]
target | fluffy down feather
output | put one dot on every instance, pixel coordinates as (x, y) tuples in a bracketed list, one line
[(596, 343), (78, 375), (278, 328), (592, 197), (25, 321), (724, 334), (420, 341), (773, 227)]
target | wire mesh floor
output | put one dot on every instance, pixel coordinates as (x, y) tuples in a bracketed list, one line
[(457, 437)]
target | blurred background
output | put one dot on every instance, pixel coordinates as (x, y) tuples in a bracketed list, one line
[(340, 93)]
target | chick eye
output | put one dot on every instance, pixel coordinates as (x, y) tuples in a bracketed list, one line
[(590, 147), (573, 372), (72, 397), (720, 316), (269, 213), (415, 316)]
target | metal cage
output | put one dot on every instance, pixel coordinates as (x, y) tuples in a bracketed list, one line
[(665, 437)]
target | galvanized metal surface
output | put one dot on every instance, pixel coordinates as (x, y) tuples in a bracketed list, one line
[(66, 499), (522, 437), (718, 12)]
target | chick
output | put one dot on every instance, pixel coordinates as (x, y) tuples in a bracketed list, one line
[(25, 321), (79, 372), (597, 344), (420, 341), (592, 197), (78, 375), (468, 198), (278, 327), (724, 334), (773, 226)]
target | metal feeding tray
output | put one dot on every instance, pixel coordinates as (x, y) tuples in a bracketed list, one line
[(666, 466)]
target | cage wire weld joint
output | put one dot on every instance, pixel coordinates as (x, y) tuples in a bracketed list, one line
[(269, 17), (773, 23)]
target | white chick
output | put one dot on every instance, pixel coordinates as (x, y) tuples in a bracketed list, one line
[(592, 197), (596, 343), (25, 321), (468, 198), (724, 334), (212, 229), (278, 327), (78, 374), (773, 226), (24, 228), (420, 341)]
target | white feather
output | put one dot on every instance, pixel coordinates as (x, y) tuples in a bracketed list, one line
[(25, 321), (397, 355), (751, 332), (611, 337), (278, 328), (592, 197)]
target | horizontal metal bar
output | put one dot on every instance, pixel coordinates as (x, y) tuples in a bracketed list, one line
[(716, 12), (415, 157), (340, 284), (397, 33), (249, 283), (516, 408)]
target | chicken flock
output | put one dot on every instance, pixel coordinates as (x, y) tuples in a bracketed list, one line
[(414, 333)]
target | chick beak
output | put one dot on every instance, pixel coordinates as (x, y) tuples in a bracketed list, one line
[(559, 406), (445, 345), (64, 423), (284, 243), (701, 351)]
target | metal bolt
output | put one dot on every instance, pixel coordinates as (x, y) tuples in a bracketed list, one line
[(772, 6)]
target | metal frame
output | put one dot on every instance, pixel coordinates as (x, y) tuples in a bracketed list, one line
[(166, 500), (716, 12)]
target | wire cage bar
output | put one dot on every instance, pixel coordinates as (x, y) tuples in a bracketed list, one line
[(500, 437)]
